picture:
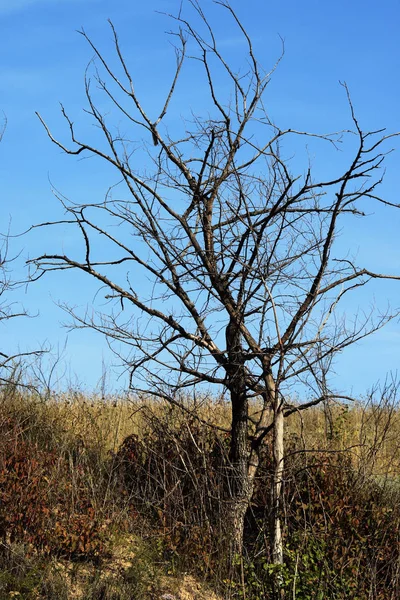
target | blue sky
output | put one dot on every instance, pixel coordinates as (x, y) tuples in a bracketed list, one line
[(42, 62)]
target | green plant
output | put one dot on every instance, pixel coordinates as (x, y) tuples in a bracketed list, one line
[(29, 577)]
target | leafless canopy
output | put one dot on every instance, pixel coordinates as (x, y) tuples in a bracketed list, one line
[(220, 263)]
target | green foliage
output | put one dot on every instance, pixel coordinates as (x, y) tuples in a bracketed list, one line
[(342, 539), (28, 577), (144, 576), (343, 531)]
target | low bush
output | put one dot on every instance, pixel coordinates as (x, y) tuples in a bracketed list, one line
[(342, 534), (175, 477), (46, 497)]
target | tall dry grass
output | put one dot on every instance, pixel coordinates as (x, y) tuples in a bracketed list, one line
[(369, 430), (117, 466)]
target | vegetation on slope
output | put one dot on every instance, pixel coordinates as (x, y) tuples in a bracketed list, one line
[(120, 499)]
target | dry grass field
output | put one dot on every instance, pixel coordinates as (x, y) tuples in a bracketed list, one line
[(122, 498)]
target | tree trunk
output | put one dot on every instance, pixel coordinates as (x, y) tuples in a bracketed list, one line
[(240, 483), (278, 452), (235, 523)]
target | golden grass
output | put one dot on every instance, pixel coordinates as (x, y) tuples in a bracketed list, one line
[(371, 432)]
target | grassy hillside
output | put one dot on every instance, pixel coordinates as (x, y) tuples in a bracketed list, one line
[(118, 499)]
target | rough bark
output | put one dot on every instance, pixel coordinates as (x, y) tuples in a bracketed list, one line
[(240, 485)]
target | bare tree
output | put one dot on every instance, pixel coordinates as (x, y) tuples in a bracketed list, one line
[(220, 264)]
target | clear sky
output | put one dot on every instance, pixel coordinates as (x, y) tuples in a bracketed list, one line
[(42, 62)]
